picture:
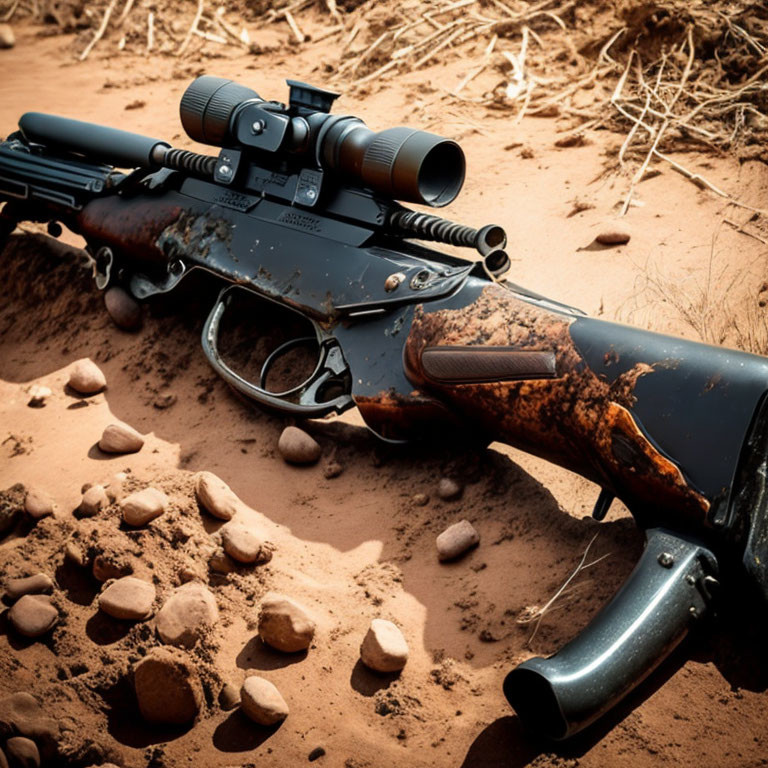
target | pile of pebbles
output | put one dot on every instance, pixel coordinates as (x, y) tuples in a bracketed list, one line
[(167, 681), (28, 735)]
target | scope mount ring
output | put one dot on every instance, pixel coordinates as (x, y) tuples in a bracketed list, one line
[(301, 400)]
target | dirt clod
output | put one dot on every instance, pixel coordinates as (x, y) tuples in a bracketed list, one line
[(38, 503), (297, 447), (33, 615), (456, 540), (86, 377), (186, 615), (124, 310), (168, 688)]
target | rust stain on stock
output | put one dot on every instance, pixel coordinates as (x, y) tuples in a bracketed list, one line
[(395, 416), (134, 225), (577, 420)]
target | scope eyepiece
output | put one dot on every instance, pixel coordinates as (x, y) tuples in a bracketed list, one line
[(207, 107)]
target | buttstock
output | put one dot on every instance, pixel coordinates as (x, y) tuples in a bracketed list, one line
[(657, 421)]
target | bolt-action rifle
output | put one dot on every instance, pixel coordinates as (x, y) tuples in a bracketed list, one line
[(298, 209)]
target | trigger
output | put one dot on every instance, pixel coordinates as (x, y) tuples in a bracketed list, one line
[(603, 504)]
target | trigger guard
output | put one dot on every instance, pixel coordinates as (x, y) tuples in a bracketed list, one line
[(277, 353), (330, 364)]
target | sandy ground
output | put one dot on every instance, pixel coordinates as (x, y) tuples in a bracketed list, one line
[(356, 547)]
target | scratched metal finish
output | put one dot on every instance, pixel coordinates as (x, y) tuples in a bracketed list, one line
[(318, 265)]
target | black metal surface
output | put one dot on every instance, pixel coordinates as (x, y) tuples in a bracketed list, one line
[(425, 226), (663, 598), (207, 106), (695, 403), (96, 142), (42, 180), (335, 271), (748, 514)]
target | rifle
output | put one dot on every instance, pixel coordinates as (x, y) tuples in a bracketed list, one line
[(298, 209)]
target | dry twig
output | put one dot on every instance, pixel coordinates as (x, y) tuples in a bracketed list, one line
[(539, 614), (100, 31), (192, 28)]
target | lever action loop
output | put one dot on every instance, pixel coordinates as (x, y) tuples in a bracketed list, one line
[(302, 400)]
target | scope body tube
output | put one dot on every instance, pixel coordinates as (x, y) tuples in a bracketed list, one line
[(646, 620), (401, 163)]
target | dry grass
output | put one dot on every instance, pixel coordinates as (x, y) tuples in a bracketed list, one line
[(716, 304)]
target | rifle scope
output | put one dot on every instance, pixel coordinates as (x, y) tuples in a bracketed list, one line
[(399, 163)]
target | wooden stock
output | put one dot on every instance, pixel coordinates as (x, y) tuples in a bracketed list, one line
[(542, 396)]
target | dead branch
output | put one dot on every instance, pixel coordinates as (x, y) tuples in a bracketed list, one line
[(192, 28), (100, 31)]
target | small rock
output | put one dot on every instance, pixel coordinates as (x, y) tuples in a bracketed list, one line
[(189, 573), (315, 754), (384, 648), (7, 38), (94, 500), (76, 553), (22, 752), (262, 702), (229, 697), (215, 496), (285, 625), (613, 235), (124, 310), (128, 598), (420, 499), (120, 438), (297, 447), (111, 565), (332, 469), (186, 614), (221, 562), (168, 688), (38, 503), (456, 540), (243, 545), (33, 615), (448, 489), (143, 506), (86, 377), (115, 487), (28, 585), (164, 400), (38, 396), (22, 714)]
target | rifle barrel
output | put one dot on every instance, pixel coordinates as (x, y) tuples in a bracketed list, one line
[(96, 142)]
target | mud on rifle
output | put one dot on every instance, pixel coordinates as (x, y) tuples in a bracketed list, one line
[(298, 209)]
